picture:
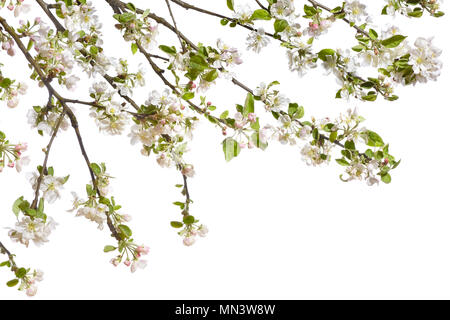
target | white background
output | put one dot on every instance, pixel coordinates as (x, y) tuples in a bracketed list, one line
[(278, 229)]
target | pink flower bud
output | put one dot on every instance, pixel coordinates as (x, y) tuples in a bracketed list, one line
[(114, 262)]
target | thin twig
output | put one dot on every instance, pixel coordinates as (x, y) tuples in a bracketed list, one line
[(175, 25)]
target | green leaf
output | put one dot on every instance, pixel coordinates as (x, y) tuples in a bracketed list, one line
[(249, 106), (393, 41), (20, 273), (134, 48), (12, 283), (169, 50), (230, 4), (333, 136), (176, 224), (309, 11), (324, 53), (96, 168), (261, 14), (280, 25), (188, 220), (5, 83), (374, 140), (342, 162), (125, 230), (16, 206), (188, 95), (386, 178), (109, 248), (231, 148), (211, 75), (224, 114)]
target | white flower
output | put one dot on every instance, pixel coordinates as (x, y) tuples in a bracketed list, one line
[(282, 9), (71, 82), (189, 241), (139, 264), (315, 156), (301, 58), (188, 171), (424, 60), (20, 163), (257, 40), (203, 231), (36, 230), (356, 11), (96, 214)]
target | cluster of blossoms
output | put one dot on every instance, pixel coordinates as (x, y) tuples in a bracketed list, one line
[(191, 231), (392, 56), (25, 278), (49, 185), (10, 91), (108, 113), (83, 39), (35, 225), (11, 155), (32, 229), (18, 6), (93, 208), (324, 135), (45, 119), (190, 227), (162, 127), (137, 28), (102, 210), (413, 9), (131, 255)]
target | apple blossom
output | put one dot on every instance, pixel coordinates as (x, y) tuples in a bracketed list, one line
[(65, 47)]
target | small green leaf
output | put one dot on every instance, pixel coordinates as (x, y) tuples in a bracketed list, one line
[(261, 14), (393, 41), (134, 48), (230, 4), (386, 178), (188, 220), (231, 148), (109, 248), (188, 95), (280, 25), (16, 206), (125, 230), (176, 224), (12, 283)]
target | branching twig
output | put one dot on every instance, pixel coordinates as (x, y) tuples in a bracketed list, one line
[(175, 25)]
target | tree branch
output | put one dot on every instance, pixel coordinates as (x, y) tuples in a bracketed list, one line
[(69, 111)]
